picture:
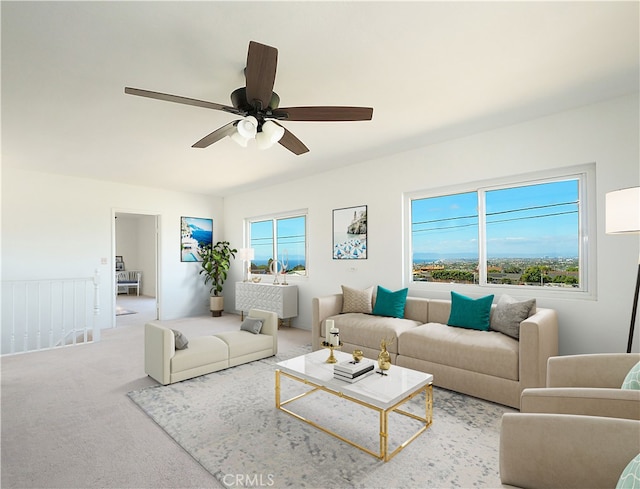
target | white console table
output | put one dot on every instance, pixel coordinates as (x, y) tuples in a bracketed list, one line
[(281, 299)]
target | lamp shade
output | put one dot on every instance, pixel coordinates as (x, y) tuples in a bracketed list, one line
[(623, 211), (242, 141), (246, 253), (248, 127), (270, 134)]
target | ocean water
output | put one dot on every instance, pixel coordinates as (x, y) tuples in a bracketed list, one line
[(203, 237)]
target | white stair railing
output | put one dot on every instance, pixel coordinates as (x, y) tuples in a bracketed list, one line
[(45, 314)]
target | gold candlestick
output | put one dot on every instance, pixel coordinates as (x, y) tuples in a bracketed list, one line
[(332, 358)]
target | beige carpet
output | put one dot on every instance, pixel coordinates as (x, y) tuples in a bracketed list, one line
[(68, 423)]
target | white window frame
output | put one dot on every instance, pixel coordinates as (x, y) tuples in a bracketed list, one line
[(585, 174), (274, 217)]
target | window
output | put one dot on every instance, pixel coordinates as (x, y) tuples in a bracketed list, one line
[(282, 237), (513, 234)]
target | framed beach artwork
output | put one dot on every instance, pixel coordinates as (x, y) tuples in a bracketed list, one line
[(195, 233), (350, 233)]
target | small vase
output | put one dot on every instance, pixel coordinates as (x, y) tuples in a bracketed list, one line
[(384, 359)]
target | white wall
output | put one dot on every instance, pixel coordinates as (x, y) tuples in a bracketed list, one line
[(56, 226), (605, 133)]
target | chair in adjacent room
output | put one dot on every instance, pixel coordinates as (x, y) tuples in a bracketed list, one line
[(128, 279)]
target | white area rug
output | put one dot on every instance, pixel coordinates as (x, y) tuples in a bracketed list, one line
[(228, 422)]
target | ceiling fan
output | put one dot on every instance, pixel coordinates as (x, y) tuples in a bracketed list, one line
[(257, 103)]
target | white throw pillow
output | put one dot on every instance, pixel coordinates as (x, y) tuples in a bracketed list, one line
[(355, 300)]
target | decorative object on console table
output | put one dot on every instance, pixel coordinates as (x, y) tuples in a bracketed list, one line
[(274, 269), (275, 298), (285, 264), (350, 233), (623, 217), (216, 261)]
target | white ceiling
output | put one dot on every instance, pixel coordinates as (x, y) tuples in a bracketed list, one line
[(431, 71)]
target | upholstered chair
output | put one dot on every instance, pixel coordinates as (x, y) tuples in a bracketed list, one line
[(567, 451), (588, 384)]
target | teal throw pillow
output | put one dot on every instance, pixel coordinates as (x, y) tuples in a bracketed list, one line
[(630, 477), (470, 313), (632, 380), (390, 303)]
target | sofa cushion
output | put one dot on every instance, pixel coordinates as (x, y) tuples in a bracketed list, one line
[(470, 313), (244, 343), (356, 300), (390, 304), (202, 351), (509, 313), (486, 352), (366, 330)]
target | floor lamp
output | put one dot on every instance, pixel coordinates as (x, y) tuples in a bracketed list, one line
[(623, 217)]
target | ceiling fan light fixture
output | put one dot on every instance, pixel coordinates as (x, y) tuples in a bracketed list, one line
[(248, 127), (238, 138), (269, 135)]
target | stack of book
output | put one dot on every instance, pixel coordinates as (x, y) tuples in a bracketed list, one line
[(351, 371)]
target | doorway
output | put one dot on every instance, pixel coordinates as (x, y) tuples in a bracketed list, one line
[(136, 245)]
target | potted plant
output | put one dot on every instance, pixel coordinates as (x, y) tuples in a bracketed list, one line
[(216, 261)]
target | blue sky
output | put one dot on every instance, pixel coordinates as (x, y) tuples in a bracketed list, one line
[(290, 233), (528, 221)]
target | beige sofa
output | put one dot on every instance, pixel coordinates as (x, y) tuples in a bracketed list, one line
[(587, 384), (206, 354), (565, 451), (484, 364)]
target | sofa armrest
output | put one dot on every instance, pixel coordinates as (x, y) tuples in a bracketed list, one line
[(269, 324), (321, 309), (606, 370), (538, 342), (159, 348), (560, 450), (612, 403)]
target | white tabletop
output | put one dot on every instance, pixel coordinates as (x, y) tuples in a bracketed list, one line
[(378, 390)]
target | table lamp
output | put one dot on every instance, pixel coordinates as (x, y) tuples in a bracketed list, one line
[(246, 255)]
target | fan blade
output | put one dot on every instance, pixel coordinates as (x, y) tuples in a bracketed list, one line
[(331, 114), (262, 61), (217, 135), (292, 143), (182, 100)]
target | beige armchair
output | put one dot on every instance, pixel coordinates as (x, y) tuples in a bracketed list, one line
[(565, 451), (587, 385)]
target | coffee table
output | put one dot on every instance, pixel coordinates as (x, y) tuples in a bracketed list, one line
[(384, 394)]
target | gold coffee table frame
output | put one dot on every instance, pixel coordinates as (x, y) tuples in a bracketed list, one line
[(384, 414)]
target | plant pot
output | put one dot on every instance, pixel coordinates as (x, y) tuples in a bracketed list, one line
[(216, 306)]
